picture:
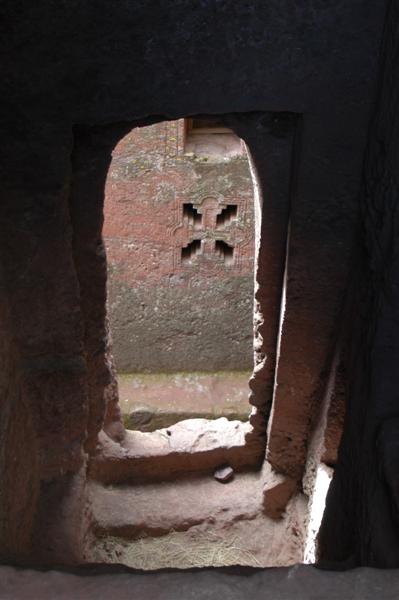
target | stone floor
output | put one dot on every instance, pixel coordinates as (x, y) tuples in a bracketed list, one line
[(117, 583), (153, 401), (193, 522)]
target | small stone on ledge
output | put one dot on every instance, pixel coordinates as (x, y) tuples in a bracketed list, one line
[(224, 474)]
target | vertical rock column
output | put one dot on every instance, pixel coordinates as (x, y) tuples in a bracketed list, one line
[(269, 138), (90, 162), (361, 520), (43, 384)]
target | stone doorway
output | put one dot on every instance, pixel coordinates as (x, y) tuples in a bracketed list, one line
[(180, 240), (176, 473)]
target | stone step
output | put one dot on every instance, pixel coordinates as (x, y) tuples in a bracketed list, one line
[(191, 446), (156, 509), (194, 522)]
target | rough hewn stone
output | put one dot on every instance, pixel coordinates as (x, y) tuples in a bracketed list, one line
[(76, 77), (277, 492), (361, 524), (209, 584), (140, 524), (191, 446), (151, 178)]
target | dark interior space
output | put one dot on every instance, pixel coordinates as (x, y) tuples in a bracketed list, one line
[(310, 91)]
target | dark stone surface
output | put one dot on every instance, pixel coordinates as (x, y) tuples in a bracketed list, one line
[(299, 583), (71, 68), (361, 520)]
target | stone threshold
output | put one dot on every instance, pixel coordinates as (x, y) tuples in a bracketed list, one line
[(190, 446)]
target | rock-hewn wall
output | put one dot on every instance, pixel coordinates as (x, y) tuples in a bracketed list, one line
[(73, 69), (361, 522), (166, 313)]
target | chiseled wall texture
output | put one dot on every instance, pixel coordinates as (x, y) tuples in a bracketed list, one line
[(73, 74), (169, 313)]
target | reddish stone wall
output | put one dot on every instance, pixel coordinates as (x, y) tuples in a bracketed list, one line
[(179, 233), (75, 66)]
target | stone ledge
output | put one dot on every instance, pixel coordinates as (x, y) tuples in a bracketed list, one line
[(294, 583), (156, 509), (192, 446)]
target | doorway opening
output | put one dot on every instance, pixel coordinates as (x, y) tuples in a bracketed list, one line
[(179, 233), (191, 489)]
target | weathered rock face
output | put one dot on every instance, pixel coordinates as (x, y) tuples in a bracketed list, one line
[(79, 77), (188, 447), (160, 199), (361, 520)]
